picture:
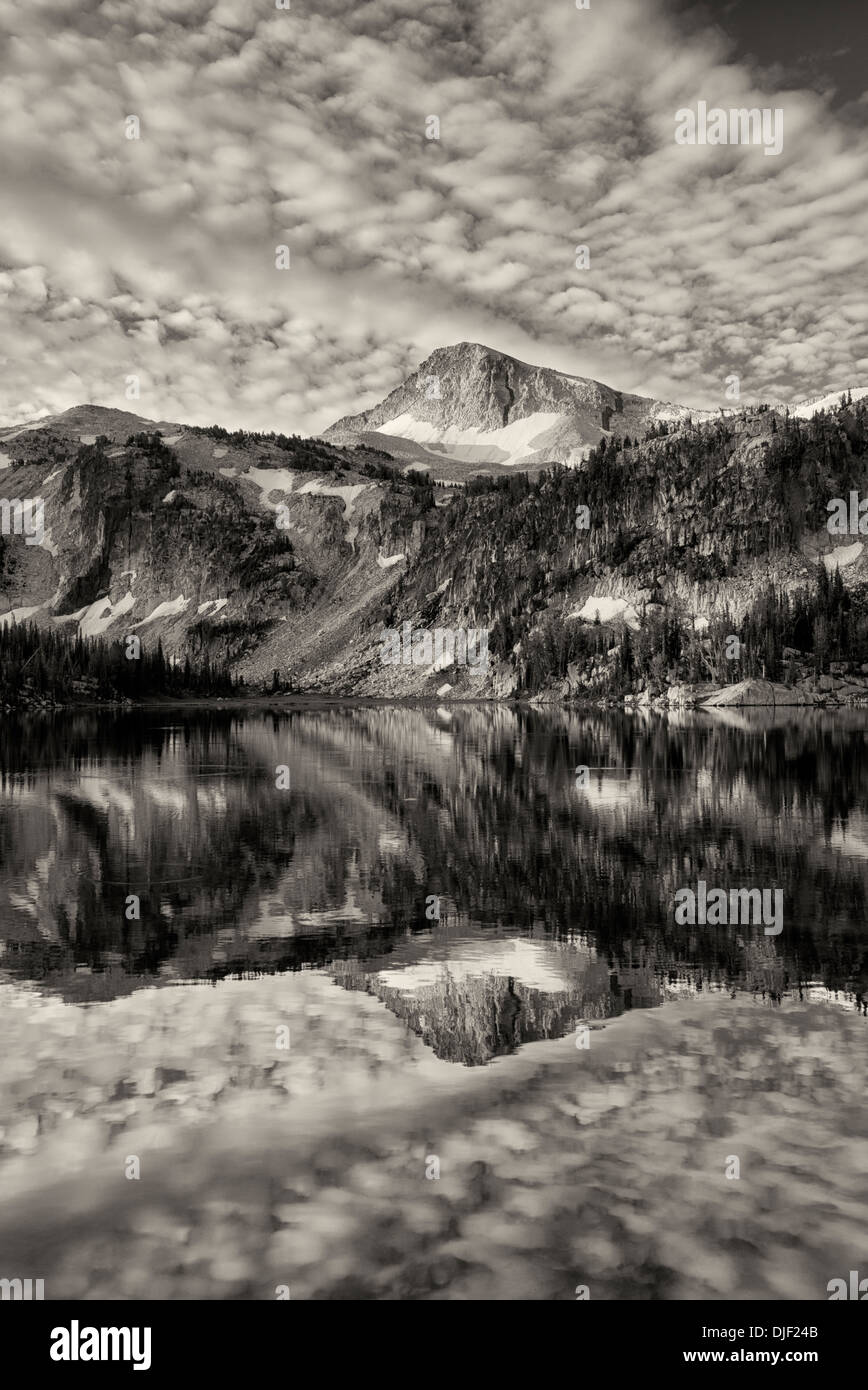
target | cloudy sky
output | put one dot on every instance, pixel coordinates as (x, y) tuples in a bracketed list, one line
[(261, 127)]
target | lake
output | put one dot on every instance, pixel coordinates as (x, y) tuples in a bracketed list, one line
[(387, 1002)]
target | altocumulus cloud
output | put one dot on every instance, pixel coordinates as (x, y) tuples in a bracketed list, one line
[(261, 127)]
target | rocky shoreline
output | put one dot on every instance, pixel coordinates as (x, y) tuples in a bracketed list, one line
[(824, 692), (839, 689), (833, 691)]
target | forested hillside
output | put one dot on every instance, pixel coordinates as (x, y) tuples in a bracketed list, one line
[(39, 667), (705, 532)]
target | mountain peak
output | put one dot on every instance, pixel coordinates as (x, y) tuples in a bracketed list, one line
[(467, 348), (469, 407), (89, 421)]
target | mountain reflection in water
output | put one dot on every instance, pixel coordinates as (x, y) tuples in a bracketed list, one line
[(308, 914), (555, 902)]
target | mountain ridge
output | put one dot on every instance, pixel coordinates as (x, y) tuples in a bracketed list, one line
[(113, 419), (276, 553)]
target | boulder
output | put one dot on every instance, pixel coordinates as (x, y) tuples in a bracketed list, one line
[(680, 696), (757, 692)]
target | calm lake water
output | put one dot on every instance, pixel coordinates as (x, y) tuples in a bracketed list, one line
[(421, 1023)]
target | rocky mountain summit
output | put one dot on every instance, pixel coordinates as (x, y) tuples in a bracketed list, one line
[(469, 409)]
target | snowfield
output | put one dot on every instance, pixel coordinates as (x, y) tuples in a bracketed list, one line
[(347, 493), (268, 479), (805, 409), (100, 615), (283, 480), (607, 609), (18, 615), (170, 609), (507, 446), (843, 555)]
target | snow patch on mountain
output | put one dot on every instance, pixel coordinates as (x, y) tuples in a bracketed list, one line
[(18, 615), (607, 609), (101, 614), (843, 555), (170, 609), (283, 480), (268, 479), (677, 414), (507, 445), (805, 409), (348, 493)]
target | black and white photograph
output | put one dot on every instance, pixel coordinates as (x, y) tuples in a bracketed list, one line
[(434, 663)]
